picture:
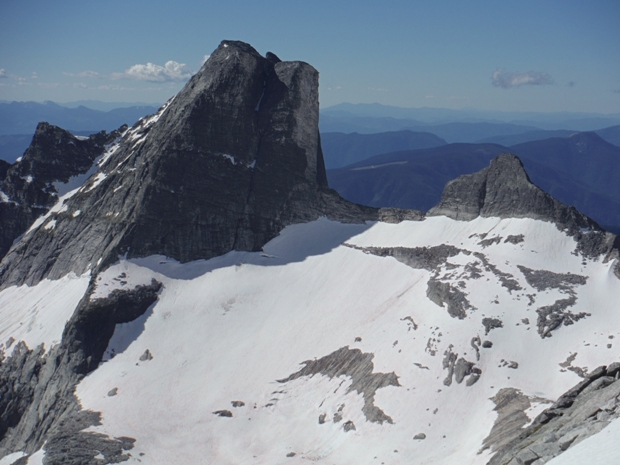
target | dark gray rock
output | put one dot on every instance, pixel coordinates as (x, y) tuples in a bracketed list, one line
[(348, 426), (358, 366), (146, 356), (69, 445), (462, 368), (448, 362), (510, 405), (491, 323), (506, 279), (514, 239), (475, 344), (456, 300), (223, 413), (488, 242), (19, 375), (428, 258), (551, 317), (541, 280), (473, 379), (419, 436)]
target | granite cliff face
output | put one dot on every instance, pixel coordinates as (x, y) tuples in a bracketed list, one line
[(225, 165)]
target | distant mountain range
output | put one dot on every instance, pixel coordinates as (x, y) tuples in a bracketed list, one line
[(611, 135), (578, 121), (581, 170), (340, 149), (18, 121), (451, 132), (108, 106), (23, 117)]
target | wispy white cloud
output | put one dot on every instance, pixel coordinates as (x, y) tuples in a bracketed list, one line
[(3, 73), (114, 87), (48, 85), (171, 71), (80, 85), (506, 80), (204, 59), (85, 74), (34, 75), (378, 89)]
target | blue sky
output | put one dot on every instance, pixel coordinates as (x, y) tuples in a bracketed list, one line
[(554, 55)]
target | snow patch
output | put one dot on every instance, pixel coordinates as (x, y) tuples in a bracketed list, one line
[(9, 459), (5, 198), (232, 159), (38, 314), (59, 207), (50, 225), (96, 181), (36, 458)]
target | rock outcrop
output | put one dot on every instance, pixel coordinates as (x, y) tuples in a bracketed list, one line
[(578, 414)]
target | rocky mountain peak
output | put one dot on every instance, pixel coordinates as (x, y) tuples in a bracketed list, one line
[(227, 163), (29, 187), (55, 155), (504, 190)]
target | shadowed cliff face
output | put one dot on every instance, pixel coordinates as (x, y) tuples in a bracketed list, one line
[(233, 158)]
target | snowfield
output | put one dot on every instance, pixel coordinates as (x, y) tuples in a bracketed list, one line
[(212, 372)]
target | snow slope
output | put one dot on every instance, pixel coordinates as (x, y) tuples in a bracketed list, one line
[(230, 335), (227, 329)]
